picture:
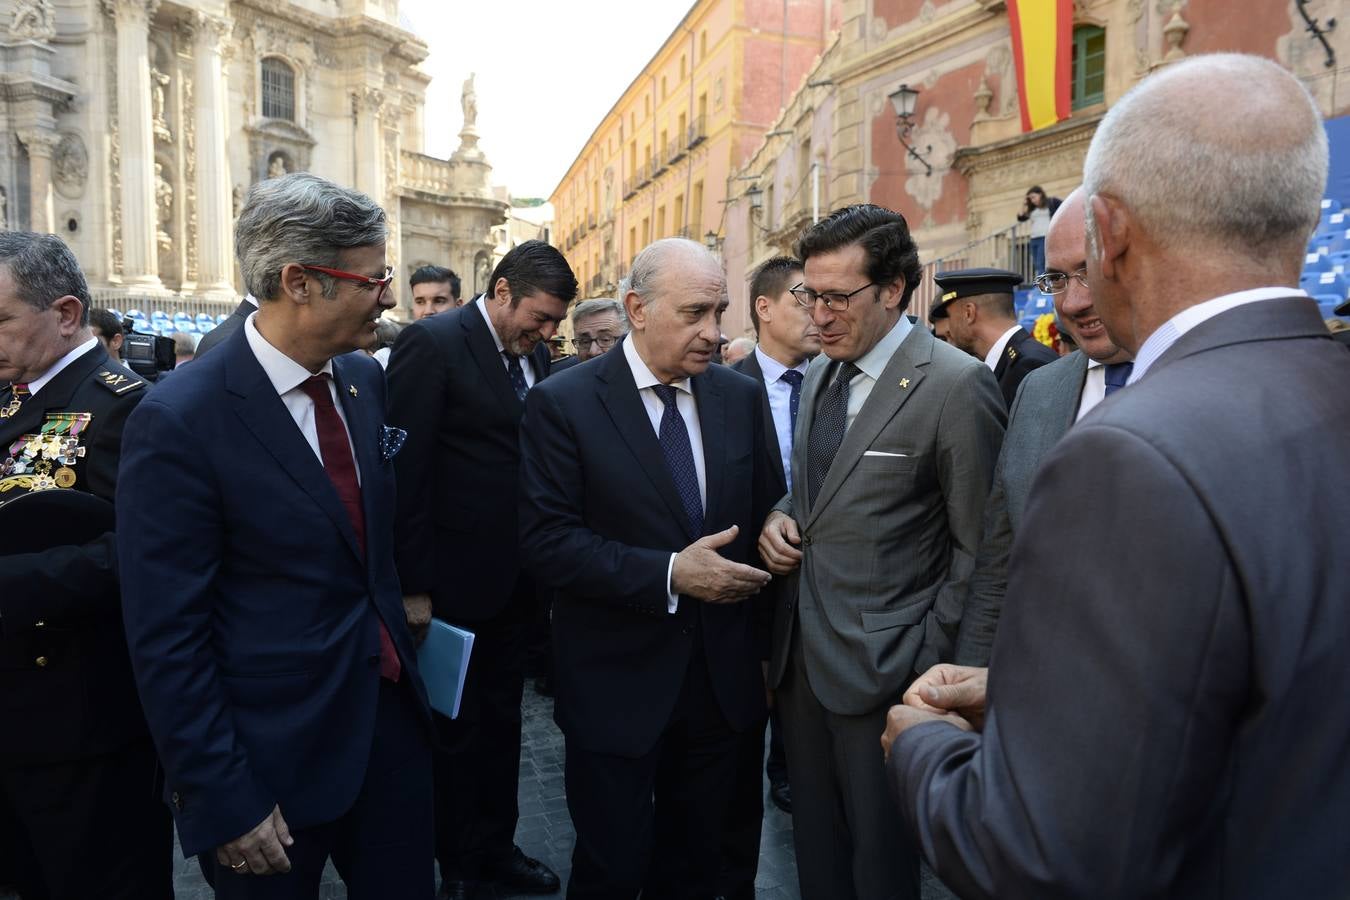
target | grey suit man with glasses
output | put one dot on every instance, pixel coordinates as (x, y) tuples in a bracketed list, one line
[(597, 325), (893, 457)]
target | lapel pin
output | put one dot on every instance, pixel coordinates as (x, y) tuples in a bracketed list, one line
[(904, 382), (352, 389)]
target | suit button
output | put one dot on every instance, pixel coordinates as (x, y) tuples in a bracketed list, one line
[(177, 800), (40, 662), (806, 539)]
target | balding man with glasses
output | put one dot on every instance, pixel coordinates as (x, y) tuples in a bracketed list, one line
[(264, 616), (597, 325), (897, 435)]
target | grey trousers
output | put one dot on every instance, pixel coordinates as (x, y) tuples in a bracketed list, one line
[(847, 831)]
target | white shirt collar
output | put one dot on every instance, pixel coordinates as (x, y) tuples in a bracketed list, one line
[(1171, 331), (249, 298), (991, 358), (285, 373), (874, 361), (642, 376), (773, 369), (481, 303), (41, 381)]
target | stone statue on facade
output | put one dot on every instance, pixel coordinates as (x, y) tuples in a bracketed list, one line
[(34, 20), (480, 273), (159, 83), (277, 167), (468, 99)]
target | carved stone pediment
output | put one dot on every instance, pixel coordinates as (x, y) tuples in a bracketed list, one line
[(271, 140)]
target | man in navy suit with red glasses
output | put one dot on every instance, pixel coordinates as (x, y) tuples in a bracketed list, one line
[(271, 645)]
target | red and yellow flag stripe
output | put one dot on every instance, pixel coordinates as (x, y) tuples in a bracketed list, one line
[(1042, 39)]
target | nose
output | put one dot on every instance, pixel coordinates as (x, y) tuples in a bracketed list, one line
[(821, 314), (387, 300), (1077, 299), (547, 329)]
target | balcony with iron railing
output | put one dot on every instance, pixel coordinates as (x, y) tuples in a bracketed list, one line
[(658, 165), (590, 220), (698, 131), (674, 152), (644, 175)]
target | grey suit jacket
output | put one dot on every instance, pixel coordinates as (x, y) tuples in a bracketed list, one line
[(1167, 711), (890, 541), (1046, 405)]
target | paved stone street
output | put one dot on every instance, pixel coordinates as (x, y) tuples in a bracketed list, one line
[(545, 830)]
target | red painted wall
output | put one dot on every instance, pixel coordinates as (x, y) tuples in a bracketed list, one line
[(1216, 28)]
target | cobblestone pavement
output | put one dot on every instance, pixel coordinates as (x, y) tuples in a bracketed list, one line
[(545, 830)]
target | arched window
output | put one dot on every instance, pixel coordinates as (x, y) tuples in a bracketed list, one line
[(278, 90), (1089, 66)]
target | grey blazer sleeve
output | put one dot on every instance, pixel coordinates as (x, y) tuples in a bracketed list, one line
[(970, 433), (1114, 704)]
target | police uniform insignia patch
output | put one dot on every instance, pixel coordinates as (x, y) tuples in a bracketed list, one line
[(117, 382)]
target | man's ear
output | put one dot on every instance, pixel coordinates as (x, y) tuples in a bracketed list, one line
[(898, 290), (636, 311), (295, 283), (501, 291), (1113, 232), (763, 305), (69, 311)]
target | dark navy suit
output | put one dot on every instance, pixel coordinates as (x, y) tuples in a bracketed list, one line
[(253, 623)]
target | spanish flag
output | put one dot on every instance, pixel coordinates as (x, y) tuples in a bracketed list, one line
[(1042, 39)]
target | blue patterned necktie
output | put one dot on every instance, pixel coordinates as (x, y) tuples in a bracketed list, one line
[(674, 438), (1116, 376), (517, 375), (827, 429), (794, 379)]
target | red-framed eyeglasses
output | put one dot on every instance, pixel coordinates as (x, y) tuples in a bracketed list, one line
[(368, 281)]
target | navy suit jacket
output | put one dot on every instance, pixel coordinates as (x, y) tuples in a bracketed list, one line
[(457, 533), (251, 616), (600, 517)]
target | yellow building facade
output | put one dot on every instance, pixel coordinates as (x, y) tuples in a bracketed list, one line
[(660, 163)]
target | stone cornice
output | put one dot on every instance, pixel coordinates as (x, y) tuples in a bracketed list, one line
[(402, 43), (16, 86), (912, 45), (970, 160)]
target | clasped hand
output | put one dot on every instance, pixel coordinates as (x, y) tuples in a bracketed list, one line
[(700, 571), (945, 693), (262, 851)]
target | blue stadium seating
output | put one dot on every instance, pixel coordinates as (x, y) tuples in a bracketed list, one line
[(1331, 283), (1317, 263)]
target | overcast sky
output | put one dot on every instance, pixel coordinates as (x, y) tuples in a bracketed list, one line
[(547, 71)]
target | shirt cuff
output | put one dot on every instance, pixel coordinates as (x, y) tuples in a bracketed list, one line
[(672, 599)]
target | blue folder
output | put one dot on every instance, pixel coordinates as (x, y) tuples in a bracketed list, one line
[(444, 662)]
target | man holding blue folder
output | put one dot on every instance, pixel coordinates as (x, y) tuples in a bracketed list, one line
[(644, 481)]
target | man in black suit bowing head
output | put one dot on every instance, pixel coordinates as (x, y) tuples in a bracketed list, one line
[(644, 479), (457, 384)]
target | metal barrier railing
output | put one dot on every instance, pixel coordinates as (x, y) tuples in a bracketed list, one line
[(1007, 249)]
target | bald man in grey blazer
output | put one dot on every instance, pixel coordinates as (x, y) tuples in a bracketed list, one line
[(892, 461)]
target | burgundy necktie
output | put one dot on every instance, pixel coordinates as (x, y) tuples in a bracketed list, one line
[(337, 462)]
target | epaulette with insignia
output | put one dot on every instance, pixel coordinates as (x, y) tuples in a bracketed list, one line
[(118, 382)]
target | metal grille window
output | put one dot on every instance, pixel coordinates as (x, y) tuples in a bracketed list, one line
[(1089, 66), (278, 90)]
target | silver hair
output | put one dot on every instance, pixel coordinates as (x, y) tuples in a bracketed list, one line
[(653, 260), (43, 270), (1194, 171), (742, 343), (301, 218), (587, 308)]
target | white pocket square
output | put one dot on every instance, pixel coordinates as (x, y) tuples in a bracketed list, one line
[(884, 453)]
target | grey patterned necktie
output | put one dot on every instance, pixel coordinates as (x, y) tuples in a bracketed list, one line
[(827, 430)]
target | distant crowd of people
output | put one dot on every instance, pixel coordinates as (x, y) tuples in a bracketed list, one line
[(1058, 626)]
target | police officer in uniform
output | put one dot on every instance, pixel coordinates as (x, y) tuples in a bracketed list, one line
[(77, 768), (977, 306)]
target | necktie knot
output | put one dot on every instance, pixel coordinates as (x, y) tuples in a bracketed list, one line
[(666, 393), (847, 372), (316, 386), (1117, 375), (792, 377)]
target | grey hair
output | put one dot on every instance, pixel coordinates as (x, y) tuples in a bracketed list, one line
[(742, 343), (43, 270), (1195, 170), (653, 260), (587, 308), (305, 219)]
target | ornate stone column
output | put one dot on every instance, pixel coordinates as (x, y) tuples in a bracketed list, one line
[(215, 230), (140, 254), (370, 163), (40, 144)]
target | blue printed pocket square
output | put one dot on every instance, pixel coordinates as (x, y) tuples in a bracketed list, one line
[(391, 441)]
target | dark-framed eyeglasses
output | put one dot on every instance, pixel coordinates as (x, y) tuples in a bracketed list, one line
[(1056, 282), (833, 300), (604, 342), (380, 285)]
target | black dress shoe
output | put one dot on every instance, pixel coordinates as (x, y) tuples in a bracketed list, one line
[(456, 890), (525, 875), (780, 792)]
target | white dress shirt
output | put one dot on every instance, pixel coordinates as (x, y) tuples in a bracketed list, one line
[(872, 364), (780, 404), (501, 348), (1171, 331), (1094, 388), (41, 381), (991, 358), (688, 410), (286, 376)]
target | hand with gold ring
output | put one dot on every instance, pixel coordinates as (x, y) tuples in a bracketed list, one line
[(263, 848), (240, 866)]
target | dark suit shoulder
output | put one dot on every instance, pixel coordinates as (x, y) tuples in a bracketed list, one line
[(1023, 347), (117, 379)]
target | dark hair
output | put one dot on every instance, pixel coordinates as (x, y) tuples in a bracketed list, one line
[(534, 267), (436, 274), (1036, 189), (105, 322), (770, 280), (43, 270), (884, 237)]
